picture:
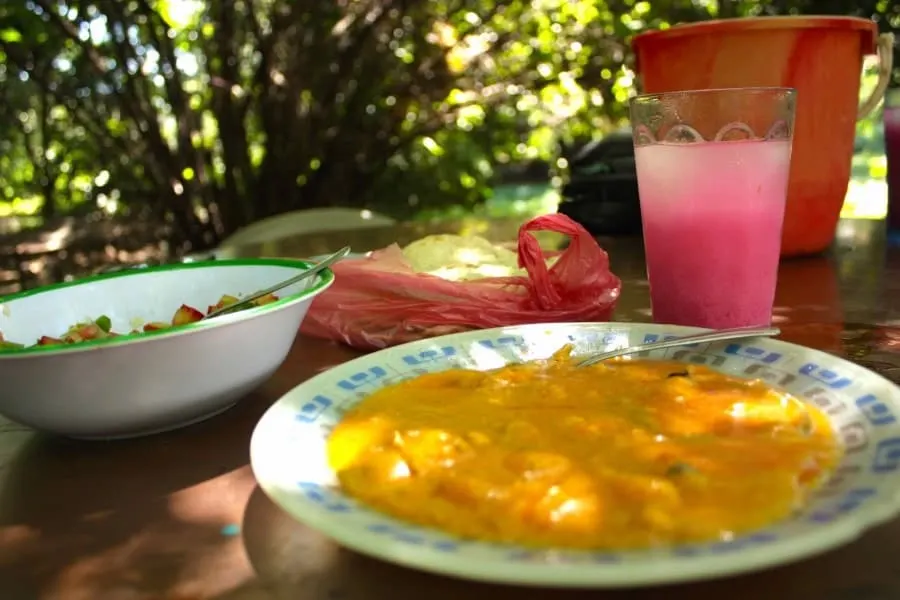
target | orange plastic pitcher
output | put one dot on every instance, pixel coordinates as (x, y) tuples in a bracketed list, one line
[(821, 57)]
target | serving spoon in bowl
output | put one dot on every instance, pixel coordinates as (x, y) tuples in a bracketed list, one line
[(718, 335), (314, 270)]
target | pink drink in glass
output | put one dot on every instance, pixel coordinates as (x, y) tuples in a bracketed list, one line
[(892, 149), (712, 215)]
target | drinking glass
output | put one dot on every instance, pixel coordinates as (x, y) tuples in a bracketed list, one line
[(712, 169)]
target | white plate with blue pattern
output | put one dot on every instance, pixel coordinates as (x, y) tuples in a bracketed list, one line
[(289, 460)]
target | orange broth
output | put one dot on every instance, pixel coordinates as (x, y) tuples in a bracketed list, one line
[(624, 454)]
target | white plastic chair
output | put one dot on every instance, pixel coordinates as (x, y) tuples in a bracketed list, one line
[(298, 222)]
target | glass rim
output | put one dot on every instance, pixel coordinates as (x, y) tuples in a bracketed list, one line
[(682, 93)]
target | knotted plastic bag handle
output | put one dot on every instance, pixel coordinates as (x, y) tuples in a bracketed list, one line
[(532, 258)]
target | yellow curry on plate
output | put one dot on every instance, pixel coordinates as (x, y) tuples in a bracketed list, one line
[(624, 454)]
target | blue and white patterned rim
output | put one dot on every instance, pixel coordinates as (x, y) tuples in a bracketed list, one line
[(289, 460)]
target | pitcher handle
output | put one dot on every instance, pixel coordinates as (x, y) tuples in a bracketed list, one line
[(885, 65)]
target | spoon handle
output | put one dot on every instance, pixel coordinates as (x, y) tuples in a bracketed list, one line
[(318, 267), (709, 336)]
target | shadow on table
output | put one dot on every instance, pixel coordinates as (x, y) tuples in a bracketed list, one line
[(93, 476), (138, 518), (293, 561), (876, 347), (808, 304), (78, 503)]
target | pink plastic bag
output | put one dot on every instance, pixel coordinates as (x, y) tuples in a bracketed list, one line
[(379, 301)]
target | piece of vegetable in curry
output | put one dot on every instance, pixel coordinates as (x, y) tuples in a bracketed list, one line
[(624, 454)]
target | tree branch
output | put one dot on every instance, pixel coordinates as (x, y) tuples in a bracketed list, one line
[(187, 120), (146, 123), (230, 115)]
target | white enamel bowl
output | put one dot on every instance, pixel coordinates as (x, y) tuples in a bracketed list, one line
[(289, 461), (147, 383)]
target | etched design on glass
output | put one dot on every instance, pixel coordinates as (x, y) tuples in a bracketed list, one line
[(735, 131), (643, 135), (682, 134), (781, 130)]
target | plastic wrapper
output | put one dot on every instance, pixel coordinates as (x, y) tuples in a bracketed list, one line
[(380, 301)]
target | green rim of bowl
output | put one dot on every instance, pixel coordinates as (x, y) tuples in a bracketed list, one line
[(324, 279)]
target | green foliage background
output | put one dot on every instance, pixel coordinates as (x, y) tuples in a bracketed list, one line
[(207, 115)]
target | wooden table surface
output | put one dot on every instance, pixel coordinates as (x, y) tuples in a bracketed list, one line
[(178, 516)]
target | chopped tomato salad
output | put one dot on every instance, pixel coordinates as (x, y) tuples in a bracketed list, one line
[(101, 327)]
